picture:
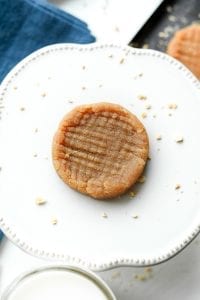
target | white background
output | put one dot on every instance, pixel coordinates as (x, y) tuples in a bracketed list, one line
[(118, 21)]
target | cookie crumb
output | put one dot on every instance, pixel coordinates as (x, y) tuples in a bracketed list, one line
[(54, 221), (148, 106), (179, 139), (100, 85), (83, 67), (172, 106), (172, 18), (110, 56), (121, 61), (158, 137), (83, 88), (162, 34), (140, 277), (35, 155), (170, 114), (70, 101), (144, 115), (15, 88), (115, 275), (142, 97), (40, 201), (169, 9), (177, 186), (148, 270), (140, 74), (142, 179), (116, 29), (132, 194), (43, 95), (145, 46), (22, 108), (135, 216), (104, 215), (36, 130)]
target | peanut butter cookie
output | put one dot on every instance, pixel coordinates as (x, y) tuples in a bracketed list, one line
[(185, 46), (100, 149)]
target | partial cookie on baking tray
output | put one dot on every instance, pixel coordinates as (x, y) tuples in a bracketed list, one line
[(100, 149), (185, 46)]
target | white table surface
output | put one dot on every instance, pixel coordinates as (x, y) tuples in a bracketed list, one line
[(176, 279), (115, 21)]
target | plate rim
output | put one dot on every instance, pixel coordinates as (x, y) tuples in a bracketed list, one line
[(63, 257)]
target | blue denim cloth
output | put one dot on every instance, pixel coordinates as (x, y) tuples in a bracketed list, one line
[(27, 25), (1, 235)]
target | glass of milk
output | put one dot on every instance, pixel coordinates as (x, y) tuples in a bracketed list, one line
[(58, 282)]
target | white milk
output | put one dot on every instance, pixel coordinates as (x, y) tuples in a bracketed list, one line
[(57, 284)]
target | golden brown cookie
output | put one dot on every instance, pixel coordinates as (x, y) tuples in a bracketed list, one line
[(185, 46), (100, 149)]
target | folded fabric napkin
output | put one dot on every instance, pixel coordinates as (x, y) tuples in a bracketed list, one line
[(27, 25), (1, 235)]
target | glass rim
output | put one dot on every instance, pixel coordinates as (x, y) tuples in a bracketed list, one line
[(95, 279)]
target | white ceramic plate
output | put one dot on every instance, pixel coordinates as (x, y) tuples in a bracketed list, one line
[(147, 229)]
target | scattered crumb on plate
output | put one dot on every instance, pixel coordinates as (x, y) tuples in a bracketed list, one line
[(142, 179), (40, 201), (159, 137), (54, 221), (177, 186), (132, 194), (179, 139), (135, 216), (142, 97), (148, 106), (144, 115), (22, 108), (104, 215), (172, 106)]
